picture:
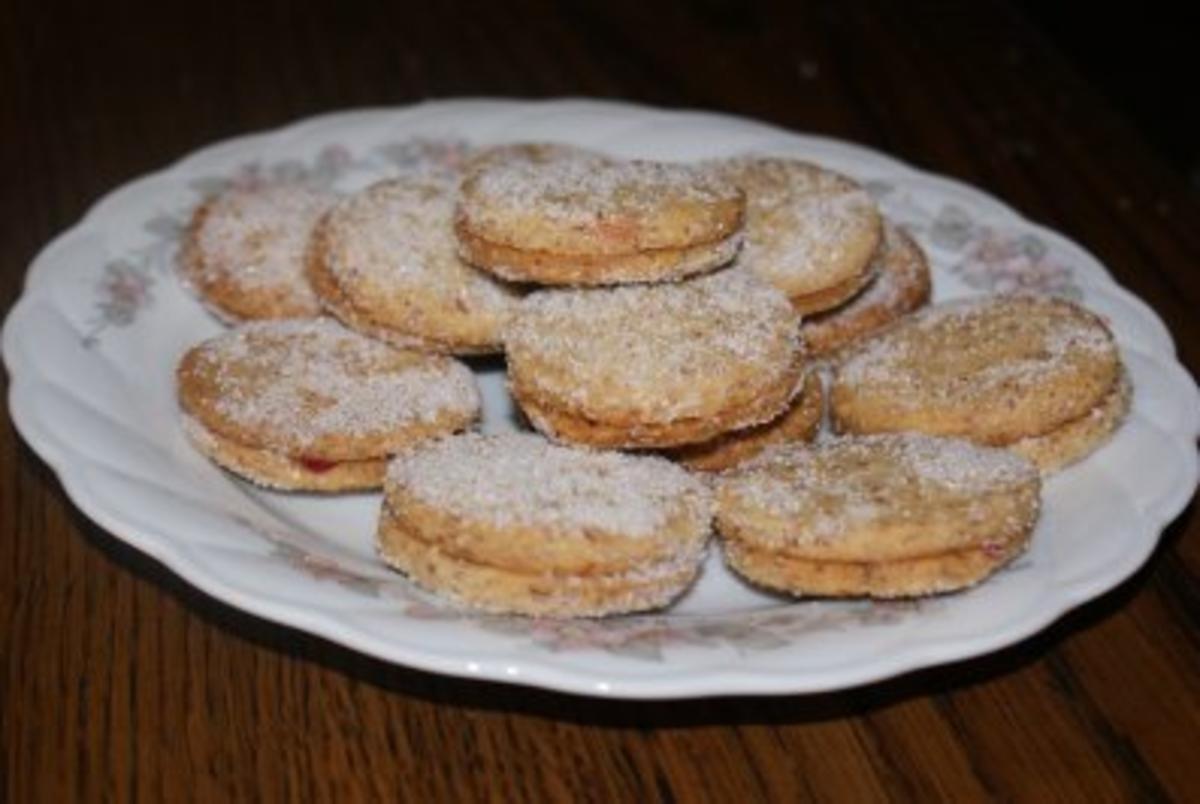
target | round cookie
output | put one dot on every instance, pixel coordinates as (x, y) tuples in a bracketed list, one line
[(994, 369), (811, 232), (385, 262), (799, 422), (901, 285), (243, 251), (651, 366), (894, 515), (1072, 442), (308, 405), (513, 523), (583, 219), (537, 153)]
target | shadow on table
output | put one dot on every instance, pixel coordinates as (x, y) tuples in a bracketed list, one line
[(503, 698)]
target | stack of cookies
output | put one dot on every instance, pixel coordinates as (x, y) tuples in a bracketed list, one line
[(667, 329)]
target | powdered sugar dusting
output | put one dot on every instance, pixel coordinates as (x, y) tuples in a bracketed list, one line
[(801, 219), (797, 242), (979, 347), (840, 484), (523, 479), (577, 188), (895, 273), (306, 380), (637, 340), (397, 236), (256, 236)]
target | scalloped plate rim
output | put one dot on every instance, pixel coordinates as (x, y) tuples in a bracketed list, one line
[(543, 672)]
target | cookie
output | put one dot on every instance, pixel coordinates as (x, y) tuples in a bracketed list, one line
[(588, 220), (243, 251), (308, 405), (651, 366), (811, 232), (996, 370), (896, 515), (1072, 442), (385, 262), (901, 285), (799, 422), (515, 524), (535, 153)]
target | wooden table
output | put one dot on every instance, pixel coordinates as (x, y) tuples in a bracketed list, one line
[(121, 682)]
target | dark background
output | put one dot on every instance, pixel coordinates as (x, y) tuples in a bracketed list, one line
[(1142, 57)]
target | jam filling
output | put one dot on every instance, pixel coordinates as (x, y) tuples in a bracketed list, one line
[(317, 465)]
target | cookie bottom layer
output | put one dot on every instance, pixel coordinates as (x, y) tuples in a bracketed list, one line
[(552, 268), (501, 591), (833, 296), (1075, 440), (277, 471), (903, 284), (799, 422), (912, 577), (625, 433)]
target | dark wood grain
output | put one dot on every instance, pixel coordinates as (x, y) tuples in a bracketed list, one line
[(120, 682)]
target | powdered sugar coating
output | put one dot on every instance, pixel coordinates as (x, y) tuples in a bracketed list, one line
[(978, 348), (523, 479), (807, 228), (889, 285), (530, 153), (313, 386), (584, 219), (655, 349), (396, 238), (845, 485), (385, 262), (254, 238), (577, 187), (901, 284)]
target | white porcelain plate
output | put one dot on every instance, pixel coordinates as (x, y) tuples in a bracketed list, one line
[(92, 344)]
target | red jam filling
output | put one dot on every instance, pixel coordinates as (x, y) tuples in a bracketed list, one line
[(317, 465)]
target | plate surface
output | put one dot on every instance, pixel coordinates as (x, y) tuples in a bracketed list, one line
[(92, 344)]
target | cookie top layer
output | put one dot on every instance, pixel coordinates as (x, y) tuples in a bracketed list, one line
[(588, 206), (521, 479), (536, 153), (902, 284), (244, 251), (878, 498), (315, 389), (991, 369), (390, 260), (656, 352), (808, 229)]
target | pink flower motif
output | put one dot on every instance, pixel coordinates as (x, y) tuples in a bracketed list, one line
[(1008, 263), (336, 155), (123, 290), (248, 177)]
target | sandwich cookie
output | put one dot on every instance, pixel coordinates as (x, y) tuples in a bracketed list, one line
[(811, 232), (583, 219), (528, 153), (799, 422), (308, 405), (651, 366), (515, 524), (901, 285), (897, 515), (243, 252), (999, 370), (384, 261)]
